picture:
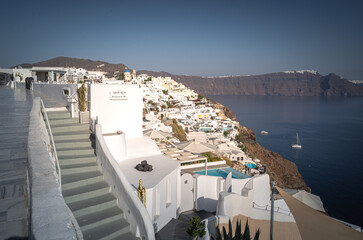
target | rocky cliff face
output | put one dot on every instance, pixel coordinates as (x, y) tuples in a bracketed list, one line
[(225, 110), (292, 83), (281, 170)]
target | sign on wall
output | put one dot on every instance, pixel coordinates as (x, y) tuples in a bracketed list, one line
[(118, 95)]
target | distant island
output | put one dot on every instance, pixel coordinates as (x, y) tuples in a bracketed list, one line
[(288, 83)]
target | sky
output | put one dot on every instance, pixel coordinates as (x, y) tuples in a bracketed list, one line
[(206, 38)]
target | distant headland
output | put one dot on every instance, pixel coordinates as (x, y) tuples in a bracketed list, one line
[(288, 83)]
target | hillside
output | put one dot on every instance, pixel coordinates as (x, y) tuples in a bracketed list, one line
[(88, 64), (292, 83)]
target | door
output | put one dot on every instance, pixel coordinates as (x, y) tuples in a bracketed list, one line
[(187, 192)]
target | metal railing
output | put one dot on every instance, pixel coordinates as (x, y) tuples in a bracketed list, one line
[(276, 209), (52, 144)]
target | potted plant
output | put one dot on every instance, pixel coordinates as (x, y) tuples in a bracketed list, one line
[(196, 228), (83, 113)]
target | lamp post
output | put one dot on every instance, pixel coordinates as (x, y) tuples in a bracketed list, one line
[(273, 184)]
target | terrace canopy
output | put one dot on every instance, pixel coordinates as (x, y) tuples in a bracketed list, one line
[(156, 134), (197, 147), (313, 224)]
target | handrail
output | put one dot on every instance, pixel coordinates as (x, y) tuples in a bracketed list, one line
[(268, 207), (54, 151)]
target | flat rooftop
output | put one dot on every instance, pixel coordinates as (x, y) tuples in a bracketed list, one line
[(162, 167)]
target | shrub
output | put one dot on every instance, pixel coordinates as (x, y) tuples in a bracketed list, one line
[(82, 91), (238, 235), (211, 157), (196, 228), (178, 131)]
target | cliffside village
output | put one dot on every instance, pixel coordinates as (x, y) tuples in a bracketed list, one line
[(162, 150), (202, 127)]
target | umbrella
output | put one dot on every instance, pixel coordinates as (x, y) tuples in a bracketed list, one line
[(196, 147)]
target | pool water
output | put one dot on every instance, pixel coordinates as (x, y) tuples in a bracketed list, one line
[(250, 165), (223, 172)]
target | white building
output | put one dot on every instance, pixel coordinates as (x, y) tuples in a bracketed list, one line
[(118, 108)]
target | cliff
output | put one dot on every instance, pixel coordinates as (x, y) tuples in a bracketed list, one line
[(281, 170), (291, 83)]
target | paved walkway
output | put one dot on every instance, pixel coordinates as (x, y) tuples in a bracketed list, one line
[(15, 105), (176, 228)]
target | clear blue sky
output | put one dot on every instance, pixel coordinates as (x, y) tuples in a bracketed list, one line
[(207, 38)]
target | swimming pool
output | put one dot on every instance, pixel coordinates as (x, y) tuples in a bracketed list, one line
[(250, 165), (223, 172)]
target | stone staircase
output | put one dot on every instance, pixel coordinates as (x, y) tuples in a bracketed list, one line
[(84, 189)]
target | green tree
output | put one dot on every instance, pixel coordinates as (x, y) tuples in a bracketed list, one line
[(225, 133)]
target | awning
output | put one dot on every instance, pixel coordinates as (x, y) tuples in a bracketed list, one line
[(313, 224)]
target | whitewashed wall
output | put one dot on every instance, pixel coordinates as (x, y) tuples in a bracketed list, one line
[(162, 208), (55, 91), (123, 114), (207, 192)]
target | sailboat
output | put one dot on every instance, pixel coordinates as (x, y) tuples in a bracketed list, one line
[(297, 145)]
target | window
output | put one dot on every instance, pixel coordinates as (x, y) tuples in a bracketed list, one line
[(66, 91)]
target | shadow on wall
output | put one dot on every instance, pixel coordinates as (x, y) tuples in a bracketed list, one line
[(207, 204)]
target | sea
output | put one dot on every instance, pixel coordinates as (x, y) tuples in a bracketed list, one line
[(331, 134)]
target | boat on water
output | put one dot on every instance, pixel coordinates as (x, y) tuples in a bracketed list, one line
[(264, 132), (297, 145)]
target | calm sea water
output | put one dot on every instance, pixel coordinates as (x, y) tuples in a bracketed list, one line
[(331, 135)]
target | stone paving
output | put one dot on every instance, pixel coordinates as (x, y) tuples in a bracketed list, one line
[(176, 228), (15, 106)]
